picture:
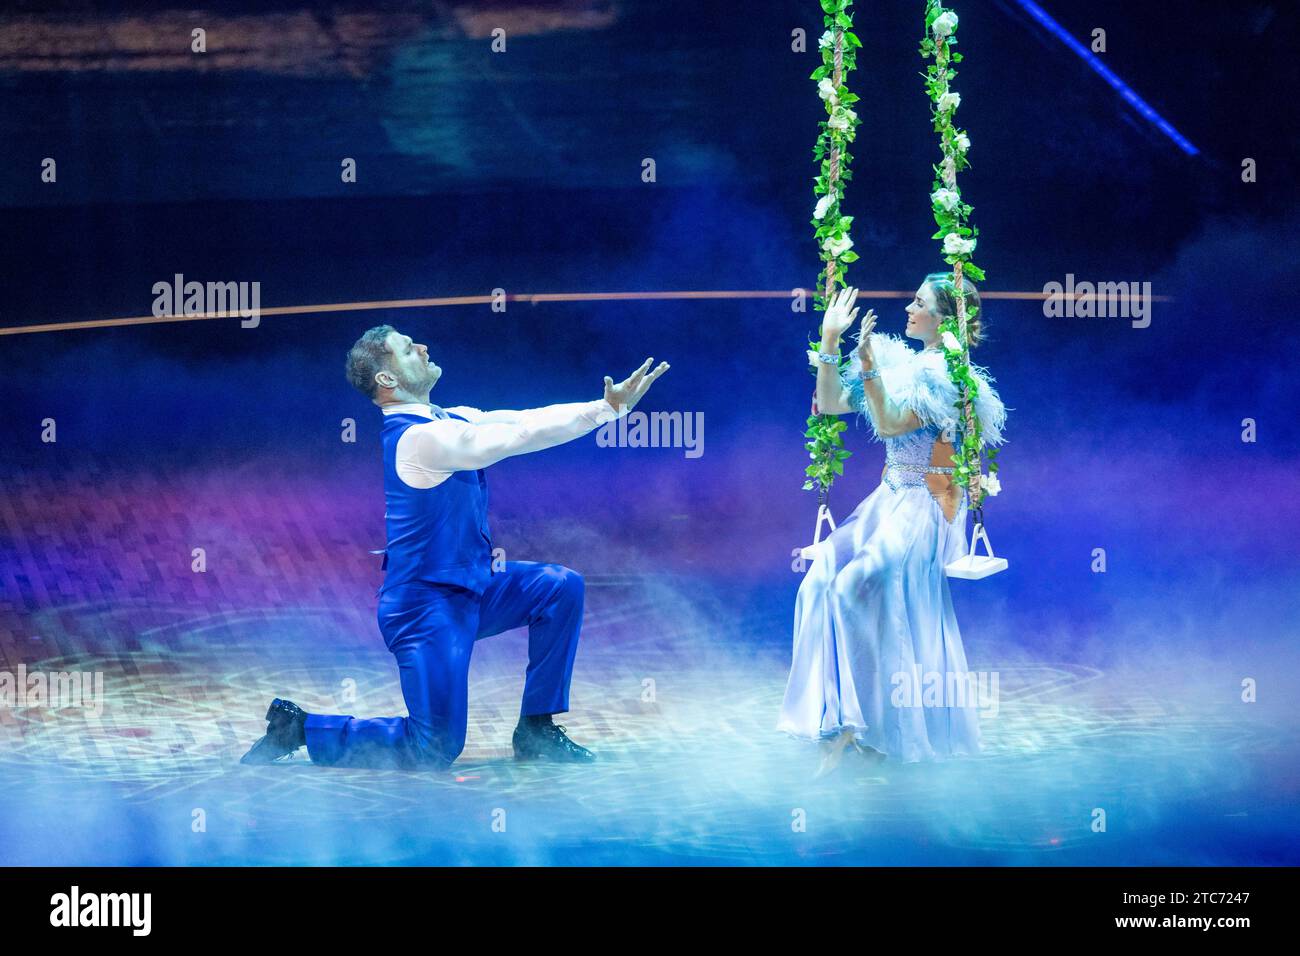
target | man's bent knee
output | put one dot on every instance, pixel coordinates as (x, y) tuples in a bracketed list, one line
[(566, 581)]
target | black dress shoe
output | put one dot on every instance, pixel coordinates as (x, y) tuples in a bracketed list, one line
[(548, 741), (284, 733)]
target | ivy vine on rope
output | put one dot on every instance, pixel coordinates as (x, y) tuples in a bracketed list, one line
[(952, 216), (838, 47)]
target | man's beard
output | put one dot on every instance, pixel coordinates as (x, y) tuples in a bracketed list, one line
[(421, 383)]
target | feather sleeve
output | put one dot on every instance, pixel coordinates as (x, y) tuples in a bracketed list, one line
[(919, 382), (988, 406), (894, 362)]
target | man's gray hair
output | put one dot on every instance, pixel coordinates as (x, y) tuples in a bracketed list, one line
[(369, 356)]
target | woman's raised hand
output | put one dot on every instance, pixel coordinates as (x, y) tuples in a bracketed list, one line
[(864, 340), (839, 315)]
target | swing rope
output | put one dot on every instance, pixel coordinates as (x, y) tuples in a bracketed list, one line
[(833, 180), (839, 45), (959, 241), (967, 396)]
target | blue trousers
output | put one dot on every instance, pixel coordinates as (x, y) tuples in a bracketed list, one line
[(431, 630)]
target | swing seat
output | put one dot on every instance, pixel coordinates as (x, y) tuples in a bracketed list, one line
[(823, 518), (972, 566)]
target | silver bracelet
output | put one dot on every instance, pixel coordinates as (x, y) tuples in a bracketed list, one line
[(868, 376), (829, 358)]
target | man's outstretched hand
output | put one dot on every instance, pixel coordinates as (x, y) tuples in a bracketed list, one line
[(630, 391)]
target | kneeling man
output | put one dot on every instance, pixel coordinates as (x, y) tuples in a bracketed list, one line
[(440, 592)]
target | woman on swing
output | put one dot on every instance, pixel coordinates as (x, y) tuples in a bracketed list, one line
[(874, 617)]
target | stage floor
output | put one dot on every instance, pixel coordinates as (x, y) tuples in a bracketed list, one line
[(677, 688)]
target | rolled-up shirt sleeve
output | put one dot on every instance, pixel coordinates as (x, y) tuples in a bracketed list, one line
[(432, 450)]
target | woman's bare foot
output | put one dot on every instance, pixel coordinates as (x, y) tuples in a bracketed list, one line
[(871, 753), (833, 752)]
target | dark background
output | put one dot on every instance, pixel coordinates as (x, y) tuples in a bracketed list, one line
[(522, 171)]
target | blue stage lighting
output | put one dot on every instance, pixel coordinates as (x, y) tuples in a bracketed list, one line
[(1124, 90)]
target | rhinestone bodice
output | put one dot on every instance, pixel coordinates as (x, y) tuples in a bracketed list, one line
[(907, 458)]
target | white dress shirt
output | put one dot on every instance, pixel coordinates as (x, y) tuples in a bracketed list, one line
[(428, 453)]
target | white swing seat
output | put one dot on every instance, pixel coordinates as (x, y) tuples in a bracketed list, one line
[(972, 566), (823, 517)]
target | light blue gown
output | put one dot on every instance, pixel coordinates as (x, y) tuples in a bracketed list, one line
[(874, 625)]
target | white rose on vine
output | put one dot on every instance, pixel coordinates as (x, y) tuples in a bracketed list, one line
[(950, 342), (962, 142), (827, 39), (949, 102), (990, 484), (837, 247), (945, 199), (945, 24), (955, 245), (842, 118), (823, 205), (826, 90)]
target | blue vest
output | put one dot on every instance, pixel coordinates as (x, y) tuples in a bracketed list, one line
[(437, 534)]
